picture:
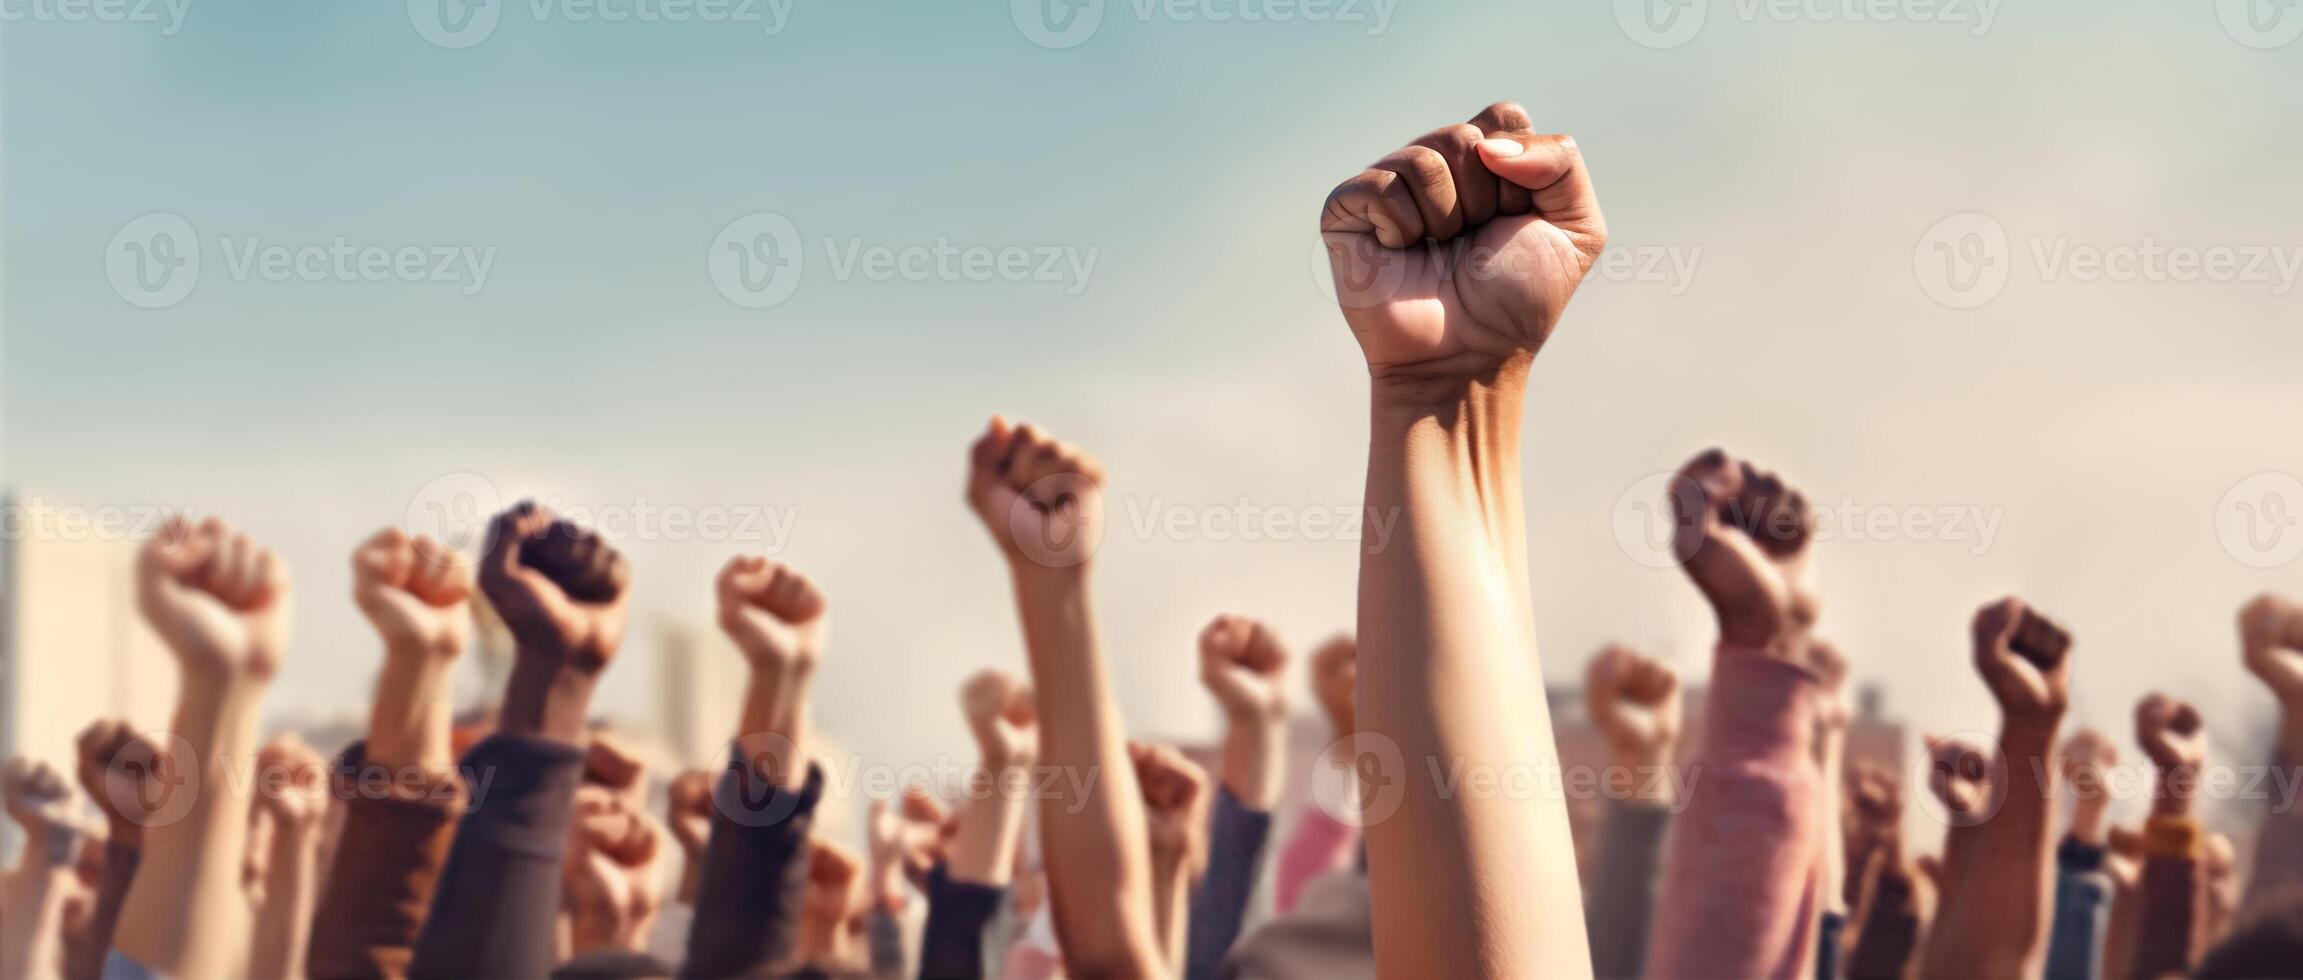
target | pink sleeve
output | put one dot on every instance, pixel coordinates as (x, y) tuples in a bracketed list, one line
[(1320, 844), (1739, 896)]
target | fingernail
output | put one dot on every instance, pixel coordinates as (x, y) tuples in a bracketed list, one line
[(1502, 148)]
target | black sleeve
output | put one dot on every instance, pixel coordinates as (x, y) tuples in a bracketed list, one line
[(1235, 847), (755, 874), (496, 909), (962, 919)]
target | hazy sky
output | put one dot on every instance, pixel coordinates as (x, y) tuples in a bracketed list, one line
[(1861, 252)]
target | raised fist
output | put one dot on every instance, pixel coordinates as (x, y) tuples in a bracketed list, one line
[(1874, 803), (912, 835), (1041, 499), (775, 615), (1458, 252), (292, 783), (1175, 795), (1742, 536), (1634, 701), (833, 873), (415, 591), (2171, 732), (128, 776), (1335, 681), (1240, 662), (611, 884), (2024, 659), (218, 598), (1005, 719), (2086, 758), (562, 614), (37, 798), (1959, 774), (2271, 636)]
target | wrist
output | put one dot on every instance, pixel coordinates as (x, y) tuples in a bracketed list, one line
[(1410, 391), (547, 697), (2028, 734), (2178, 786)]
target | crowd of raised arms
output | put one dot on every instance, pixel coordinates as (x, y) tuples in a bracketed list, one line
[(534, 853)]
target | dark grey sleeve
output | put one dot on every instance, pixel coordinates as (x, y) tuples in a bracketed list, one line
[(1235, 850), (495, 912), (965, 929), (1622, 893)]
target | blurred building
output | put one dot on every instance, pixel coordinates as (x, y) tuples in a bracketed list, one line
[(72, 646)]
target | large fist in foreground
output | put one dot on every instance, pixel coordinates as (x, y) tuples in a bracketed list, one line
[(558, 587), (1458, 252), (218, 598)]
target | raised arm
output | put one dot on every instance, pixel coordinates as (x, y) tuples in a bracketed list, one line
[(116, 768), (1741, 881), (1242, 665), (1175, 800), (1453, 259), (292, 787), (32, 893), (2170, 932), (2271, 643), (1634, 702), (1321, 843), (2082, 889), (1995, 918), (1042, 501), (220, 602), (417, 595), (561, 591), (967, 894), (756, 863)]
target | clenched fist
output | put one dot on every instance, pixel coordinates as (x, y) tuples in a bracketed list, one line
[(775, 615), (1458, 252), (130, 777), (570, 615), (415, 591), (39, 800), (217, 597), (292, 785), (1634, 701), (1175, 797), (1041, 499), (1003, 716), (2271, 636), (2024, 659), (2086, 758), (1742, 536), (1959, 773), (2171, 732), (1240, 662)]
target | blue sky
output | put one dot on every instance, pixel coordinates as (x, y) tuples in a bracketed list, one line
[(1772, 184)]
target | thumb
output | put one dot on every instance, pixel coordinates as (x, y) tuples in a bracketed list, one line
[(1549, 166)]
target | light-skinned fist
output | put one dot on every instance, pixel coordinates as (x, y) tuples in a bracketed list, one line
[(129, 776), (1959, 774), (415, 591), (2024, 659), (1041, 498), (1176, 799), (1241, 663), (2086, 759), (1003, 716), (1457, 253), (38, 799), (776, 616), (1634, 701), (1742, 536), (545, 618), (2271, 637), (219, 599), (292, 784)]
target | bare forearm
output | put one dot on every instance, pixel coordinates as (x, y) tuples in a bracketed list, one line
[(984, 849), (31, 928), (1171, 896), (547, 700), (185, 915), (291, 890), (773, 731), (1096, 842), (409, 724), (1255, 761), (1464, 885), (1996, 926)]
